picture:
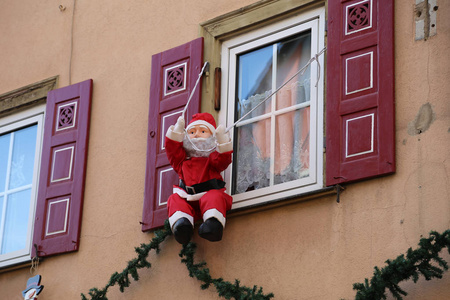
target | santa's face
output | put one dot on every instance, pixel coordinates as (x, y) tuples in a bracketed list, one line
[(199, 147), (199, 131)]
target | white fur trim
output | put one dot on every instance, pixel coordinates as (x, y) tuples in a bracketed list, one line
[(173, 135), (214, 213), (202, 122), (226, 147), (182, 193), (178, 215)]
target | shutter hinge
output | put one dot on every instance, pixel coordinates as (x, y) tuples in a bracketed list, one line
[(37, 251), (326, 26)]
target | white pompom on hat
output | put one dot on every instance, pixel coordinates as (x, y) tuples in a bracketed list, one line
[(205, 119)]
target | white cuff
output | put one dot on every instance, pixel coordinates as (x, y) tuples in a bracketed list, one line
[(178, 215), (214, 213), (173, 135), (226, 147)]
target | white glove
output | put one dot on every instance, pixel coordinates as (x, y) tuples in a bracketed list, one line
[(222, 136), (179, 126)]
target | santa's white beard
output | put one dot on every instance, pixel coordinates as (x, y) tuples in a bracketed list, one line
[(199, 147)]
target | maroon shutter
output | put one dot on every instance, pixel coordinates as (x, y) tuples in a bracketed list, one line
[(360, 90), (63, 168), (174, 73)]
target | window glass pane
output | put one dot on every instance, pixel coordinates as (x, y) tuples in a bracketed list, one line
[(16, 225), (1, 212), (292, 55), (4, 150), (290, 139), (254, 79), (252, 167), (23, 157), (292, 146)]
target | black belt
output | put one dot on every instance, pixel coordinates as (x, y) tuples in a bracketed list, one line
[(213, 184)]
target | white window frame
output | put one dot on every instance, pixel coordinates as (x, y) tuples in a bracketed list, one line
[(313, 20), (34, 115)]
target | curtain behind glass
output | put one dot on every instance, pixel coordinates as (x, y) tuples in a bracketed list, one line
[(253, 154)]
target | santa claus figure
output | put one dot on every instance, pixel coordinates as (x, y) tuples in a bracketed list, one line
[(198, 154)]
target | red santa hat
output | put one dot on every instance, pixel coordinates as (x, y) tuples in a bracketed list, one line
[(205, 119)]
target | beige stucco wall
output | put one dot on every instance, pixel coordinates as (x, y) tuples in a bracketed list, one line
[(308, 250)]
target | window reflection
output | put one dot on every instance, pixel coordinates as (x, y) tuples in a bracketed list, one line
[(23, 157), (17, 157), (273, 141)]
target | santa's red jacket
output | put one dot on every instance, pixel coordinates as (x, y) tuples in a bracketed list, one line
[(196, 169)]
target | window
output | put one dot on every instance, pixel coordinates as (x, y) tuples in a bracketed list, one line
[(20, 146), (278, 146), (42, 169)]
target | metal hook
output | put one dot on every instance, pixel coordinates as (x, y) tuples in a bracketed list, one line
[(339, 188)]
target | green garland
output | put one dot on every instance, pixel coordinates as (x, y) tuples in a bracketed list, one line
[(122, 279), (199, 271), (224, 288), (417, 262)]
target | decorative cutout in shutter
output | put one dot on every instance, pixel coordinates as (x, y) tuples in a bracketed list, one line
[(174, 73), (63, 167), (360, 136)]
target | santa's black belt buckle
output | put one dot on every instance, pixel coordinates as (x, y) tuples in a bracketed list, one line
[(190, 190)]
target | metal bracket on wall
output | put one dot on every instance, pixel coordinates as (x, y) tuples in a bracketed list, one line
[(217, 85), (425, 12), (339, 189)]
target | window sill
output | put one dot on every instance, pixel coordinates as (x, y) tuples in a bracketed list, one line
[(17, 266), (332, 190)]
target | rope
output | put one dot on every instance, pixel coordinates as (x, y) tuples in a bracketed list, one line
[(195, 86), (34, 265), (187, 104), (302, 70)]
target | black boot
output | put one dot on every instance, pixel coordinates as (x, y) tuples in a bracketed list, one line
[(183, 231), (211, 230)]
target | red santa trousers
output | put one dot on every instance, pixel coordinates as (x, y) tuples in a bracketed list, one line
[(215, 203)]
